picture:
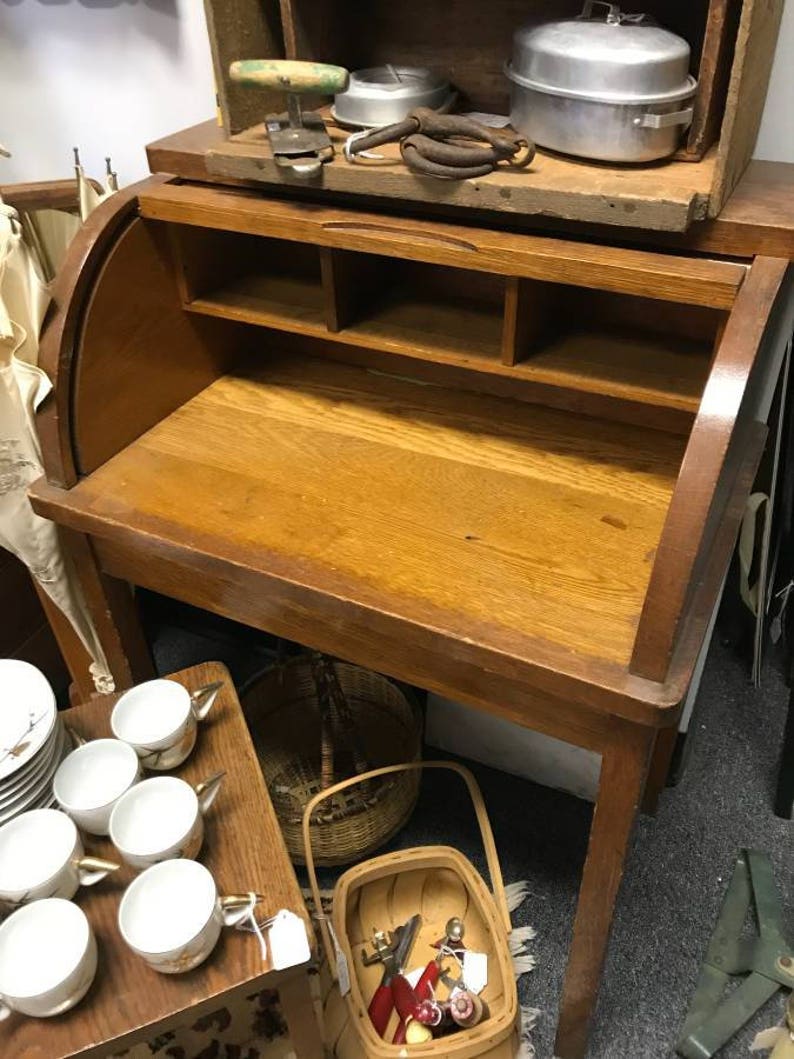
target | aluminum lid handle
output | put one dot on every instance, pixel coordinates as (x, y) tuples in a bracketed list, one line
[(614, 16)]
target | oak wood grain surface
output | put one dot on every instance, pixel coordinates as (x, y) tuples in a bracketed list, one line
[(620, 790), (472, 515), (758, 217), (693, 280), (244, 850), (697, 507), (71, 287), (133, 329)]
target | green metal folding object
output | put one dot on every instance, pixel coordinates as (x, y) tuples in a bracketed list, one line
[(767, 960)]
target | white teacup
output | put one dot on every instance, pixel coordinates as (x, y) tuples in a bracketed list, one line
[(91, 779), (41, 856), (48, 958), (159, 719), (172, 916), (162, 819)]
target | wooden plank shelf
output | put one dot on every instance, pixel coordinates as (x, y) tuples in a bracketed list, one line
[(547, 339), (641, 368), (287, 303), (457, 333), (732, 46)]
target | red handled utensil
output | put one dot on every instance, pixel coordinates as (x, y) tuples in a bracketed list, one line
[(409, 1008), (425, 987), (392, 953)]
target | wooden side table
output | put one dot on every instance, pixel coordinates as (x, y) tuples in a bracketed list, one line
[(244, 850)]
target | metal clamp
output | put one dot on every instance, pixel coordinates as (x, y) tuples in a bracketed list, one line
[(664, 121)]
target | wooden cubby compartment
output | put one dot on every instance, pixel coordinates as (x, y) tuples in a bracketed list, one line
[(551, 343), (422, 310), (619, 345), (270, 282)]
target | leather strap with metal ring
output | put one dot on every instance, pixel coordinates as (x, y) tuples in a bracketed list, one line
[(449, 146)]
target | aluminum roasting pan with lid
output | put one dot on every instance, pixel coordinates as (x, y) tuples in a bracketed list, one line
[(614, 88)]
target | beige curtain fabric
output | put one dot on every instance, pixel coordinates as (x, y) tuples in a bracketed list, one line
[(90, 198), (24, 297), (48, 234)]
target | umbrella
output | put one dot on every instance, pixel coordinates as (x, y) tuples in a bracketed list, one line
[(24, 296), (90, 198)]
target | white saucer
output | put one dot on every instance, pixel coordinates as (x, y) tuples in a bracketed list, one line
[(27, 714)]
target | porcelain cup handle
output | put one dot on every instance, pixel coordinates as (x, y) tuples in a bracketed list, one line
[(91, 869), (207, 791), (77, 739), (201, 701), (237, 907)]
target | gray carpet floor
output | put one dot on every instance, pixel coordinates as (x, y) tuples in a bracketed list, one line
[(677, 871)]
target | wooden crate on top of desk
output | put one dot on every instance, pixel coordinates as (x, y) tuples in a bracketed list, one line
[(732, 41)]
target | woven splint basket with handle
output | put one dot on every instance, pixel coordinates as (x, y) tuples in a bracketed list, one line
[(380, 894)]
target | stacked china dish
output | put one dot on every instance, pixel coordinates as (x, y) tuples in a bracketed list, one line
[(33, 739)]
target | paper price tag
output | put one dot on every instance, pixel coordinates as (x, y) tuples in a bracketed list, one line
[(414, 976), (342, 970), (475, 971), (494, 121), (289, 944)]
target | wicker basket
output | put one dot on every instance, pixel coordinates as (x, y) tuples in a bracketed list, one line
[(437, 882), (283, 714)]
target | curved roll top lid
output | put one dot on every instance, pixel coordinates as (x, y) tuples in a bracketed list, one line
[(605, 55)]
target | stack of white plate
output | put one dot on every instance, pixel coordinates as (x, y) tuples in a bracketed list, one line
[(33, 739)]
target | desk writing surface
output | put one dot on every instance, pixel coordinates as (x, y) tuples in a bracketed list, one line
[(481, 517)]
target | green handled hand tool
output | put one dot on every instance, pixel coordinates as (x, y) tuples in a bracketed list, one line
[(298, 138)]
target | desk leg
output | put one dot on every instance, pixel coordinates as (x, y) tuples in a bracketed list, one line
[(624, 768), (297, 1005), (659, 770)]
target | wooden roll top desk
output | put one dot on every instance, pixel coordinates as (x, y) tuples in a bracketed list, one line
[(506, 467)]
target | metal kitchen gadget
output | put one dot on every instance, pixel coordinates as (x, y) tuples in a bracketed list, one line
[(767, 960), (298, 138), (451, 943), (382, 95), (392, 951), (606, 85)]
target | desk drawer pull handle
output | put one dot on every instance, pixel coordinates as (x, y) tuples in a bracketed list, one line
[(384, 229)]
